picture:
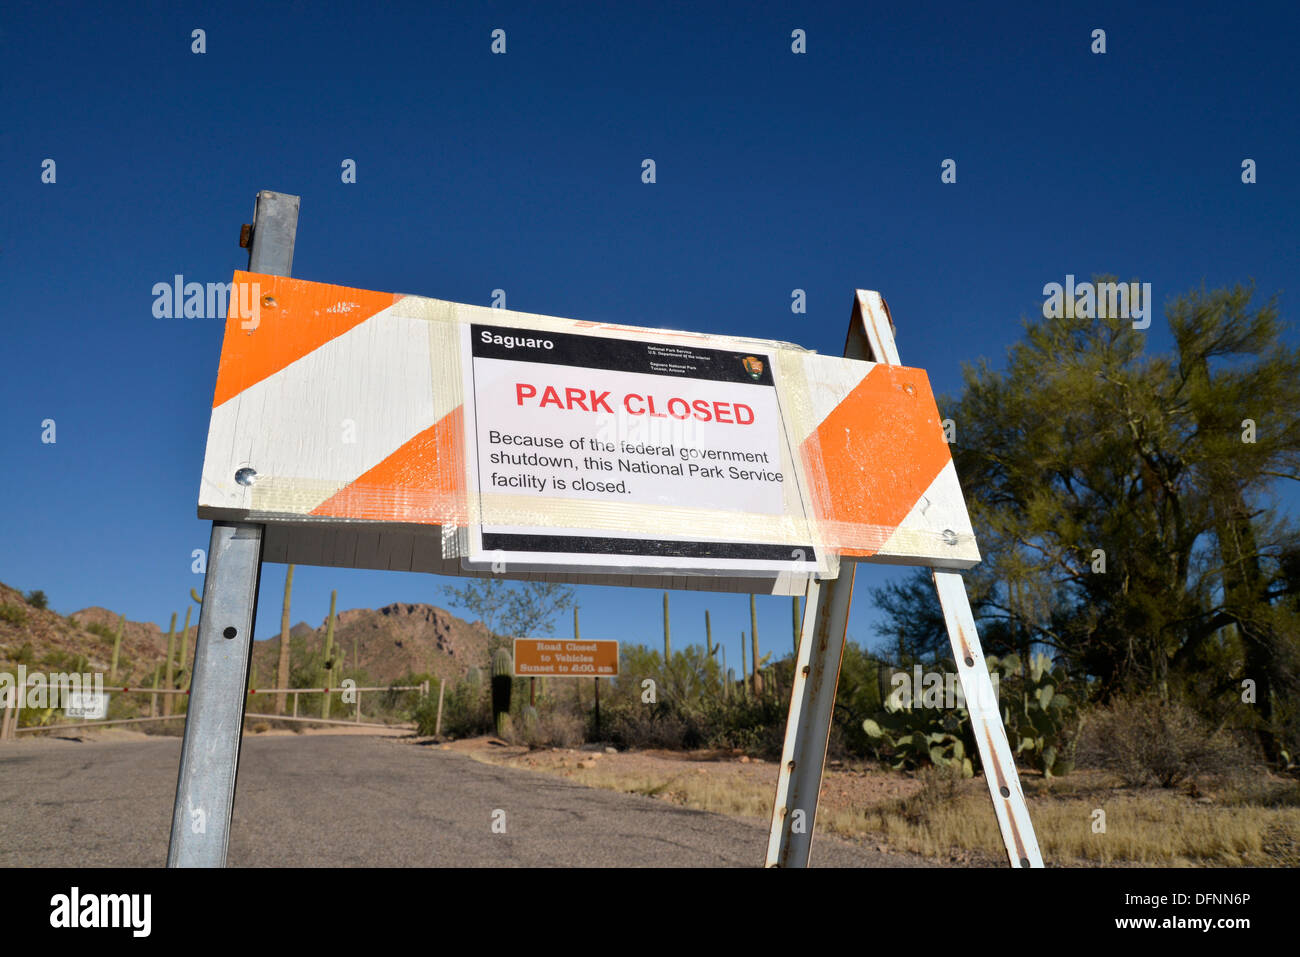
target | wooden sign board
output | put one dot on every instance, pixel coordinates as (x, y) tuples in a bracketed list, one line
[(565, 658), (375, 430)]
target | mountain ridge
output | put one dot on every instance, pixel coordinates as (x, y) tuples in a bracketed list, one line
[(386, 643)]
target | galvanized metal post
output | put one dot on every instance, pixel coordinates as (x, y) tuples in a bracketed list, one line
[(205, 787), (205, 790)]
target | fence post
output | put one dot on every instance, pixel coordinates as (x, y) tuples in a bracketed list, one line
[(358, 718), (437, 728), (10, 697)]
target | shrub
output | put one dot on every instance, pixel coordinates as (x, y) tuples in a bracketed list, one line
[(14, 614), (103, 631), (396, 704), (425, 716), (37, 599), (938, 791), (57, 660), (466, 711), (1147, 741), (662, 724), (754, 725), (559, 729)]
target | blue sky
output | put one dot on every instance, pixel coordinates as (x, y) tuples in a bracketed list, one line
[(522, 172)]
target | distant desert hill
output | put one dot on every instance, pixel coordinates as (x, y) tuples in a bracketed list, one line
[(388, 642), (46, 641)]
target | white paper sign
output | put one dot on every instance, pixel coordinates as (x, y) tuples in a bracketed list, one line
[(87, 705), (609, 426)]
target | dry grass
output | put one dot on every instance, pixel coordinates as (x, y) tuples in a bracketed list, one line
[(1247, 825), (738, 798), (705, 788), (1142, 827), (1256, 823)]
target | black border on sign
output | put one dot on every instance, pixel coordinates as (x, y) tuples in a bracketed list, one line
[(639, 547), (633, 548)]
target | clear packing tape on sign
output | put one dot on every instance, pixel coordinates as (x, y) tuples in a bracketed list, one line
[(378, 430)]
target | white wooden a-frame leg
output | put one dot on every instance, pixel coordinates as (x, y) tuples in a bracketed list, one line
[(986, 721), (817, 667)]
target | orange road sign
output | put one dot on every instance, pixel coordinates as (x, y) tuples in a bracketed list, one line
[(565, 658)]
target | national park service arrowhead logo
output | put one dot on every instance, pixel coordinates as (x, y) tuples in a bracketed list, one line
[(753, 366)]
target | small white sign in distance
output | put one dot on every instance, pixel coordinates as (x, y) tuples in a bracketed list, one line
[(87, 705)]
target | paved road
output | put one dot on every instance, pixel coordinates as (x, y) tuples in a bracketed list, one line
[(338, 801)]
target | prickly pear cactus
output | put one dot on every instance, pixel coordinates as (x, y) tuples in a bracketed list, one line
[(915, 737), (914, 747), (1043, 727)]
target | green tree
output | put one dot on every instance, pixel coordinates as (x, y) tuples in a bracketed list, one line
[(512, 609), (1122, 505)]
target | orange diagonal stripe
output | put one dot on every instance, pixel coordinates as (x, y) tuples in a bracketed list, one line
[(880, 448), (420, 482), (293, 317)]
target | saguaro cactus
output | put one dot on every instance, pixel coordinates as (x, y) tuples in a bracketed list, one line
[(708, 635), (185, 640), (794, 622), (753, 637), (117, 648), (668, 649), (744, 668), (171, 660), (329, 661), (530, 720), (502, 680), (282, 672), (577, 636)]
